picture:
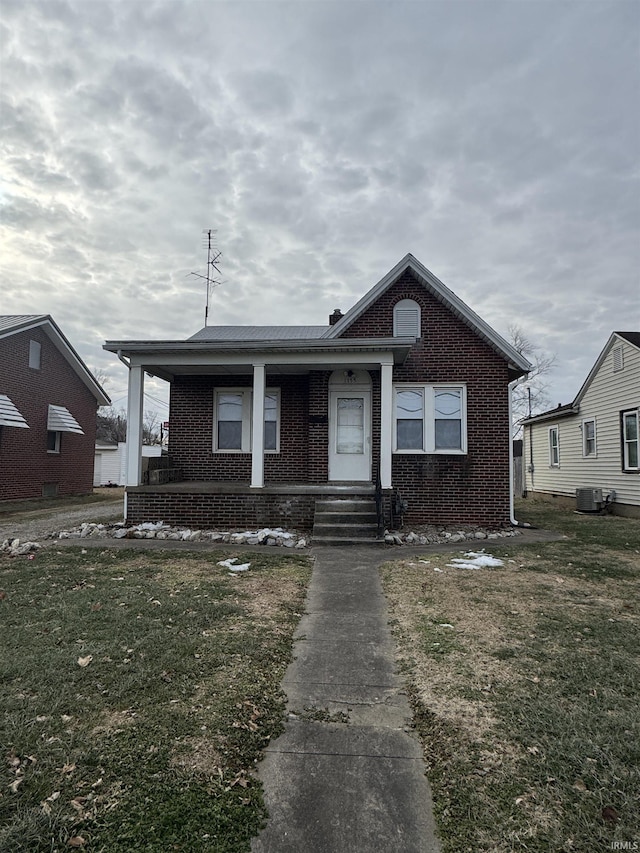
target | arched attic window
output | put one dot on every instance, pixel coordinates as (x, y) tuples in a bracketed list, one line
[(406, 319)]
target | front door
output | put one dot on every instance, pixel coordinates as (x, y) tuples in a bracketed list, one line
[(350, 435)]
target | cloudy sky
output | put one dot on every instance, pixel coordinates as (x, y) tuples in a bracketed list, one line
[(496, 141)]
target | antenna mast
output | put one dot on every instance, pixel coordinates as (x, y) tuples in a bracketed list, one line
[(213, 257)]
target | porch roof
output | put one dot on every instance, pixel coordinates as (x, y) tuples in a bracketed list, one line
[(167, 359)]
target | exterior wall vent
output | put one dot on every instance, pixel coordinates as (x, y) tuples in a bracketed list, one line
[(589, 500)]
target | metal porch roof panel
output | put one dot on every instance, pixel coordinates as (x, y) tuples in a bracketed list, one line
[(258, 333), (9, 414)]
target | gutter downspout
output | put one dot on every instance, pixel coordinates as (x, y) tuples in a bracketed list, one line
[(512, 517), (128, 366)]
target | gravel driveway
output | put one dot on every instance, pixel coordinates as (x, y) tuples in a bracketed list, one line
[(35, 524)]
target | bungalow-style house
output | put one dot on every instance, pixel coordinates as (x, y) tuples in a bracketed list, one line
[(406, 395), (589, 450), (48, 404)]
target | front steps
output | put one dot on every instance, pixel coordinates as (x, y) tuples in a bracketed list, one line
[(346, 521)]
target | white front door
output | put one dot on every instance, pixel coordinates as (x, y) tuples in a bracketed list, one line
[(350, 434)]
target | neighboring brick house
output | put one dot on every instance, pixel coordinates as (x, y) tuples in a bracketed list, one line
[(48, 403), (407, 392)]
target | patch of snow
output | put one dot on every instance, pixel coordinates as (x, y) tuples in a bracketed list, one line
[(231, 565), (475, 560)]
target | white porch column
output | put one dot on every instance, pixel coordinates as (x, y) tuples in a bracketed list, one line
[(386, 424), (134, 425), (257, 433)]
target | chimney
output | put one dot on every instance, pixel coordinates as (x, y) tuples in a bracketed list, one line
[(337, 315)]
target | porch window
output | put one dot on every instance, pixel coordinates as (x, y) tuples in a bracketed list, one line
[(554, 447), (229, 426), (630, 441), (589, 437), (430, 419), (232, 420)]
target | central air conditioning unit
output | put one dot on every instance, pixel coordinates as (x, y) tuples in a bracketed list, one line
[(589, 500)]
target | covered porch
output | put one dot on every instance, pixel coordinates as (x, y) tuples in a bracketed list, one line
[(331, 410)]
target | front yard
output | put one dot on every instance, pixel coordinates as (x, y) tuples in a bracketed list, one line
[(138, 690), (525, 684)]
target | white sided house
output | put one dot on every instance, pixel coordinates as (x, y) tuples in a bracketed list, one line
[(590, 449)]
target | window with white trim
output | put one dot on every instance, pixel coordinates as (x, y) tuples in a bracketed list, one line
[(406, 319), (53, 441), (429, 419), (630, 441), (554, 447), (589, 437), (232, 420)]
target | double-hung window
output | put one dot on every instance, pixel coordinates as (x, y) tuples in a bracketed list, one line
[(232, 420), (630, 440), (554, 447), (430, 419), (589, 437)]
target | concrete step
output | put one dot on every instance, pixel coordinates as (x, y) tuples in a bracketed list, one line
[(345, 505), (358, 531), (345, 521), (345, 518), (345, 540)]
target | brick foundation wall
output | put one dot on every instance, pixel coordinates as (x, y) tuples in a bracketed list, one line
[(440, 488), (222, 512), (25, 464)]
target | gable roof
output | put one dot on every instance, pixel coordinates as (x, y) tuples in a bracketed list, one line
[(12, 324), (448, 298), (573, 408), (632, 338)]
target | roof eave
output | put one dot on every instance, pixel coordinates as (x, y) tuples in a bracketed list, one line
[(554, 414)]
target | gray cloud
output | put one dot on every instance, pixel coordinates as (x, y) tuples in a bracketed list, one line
[(498, 142)]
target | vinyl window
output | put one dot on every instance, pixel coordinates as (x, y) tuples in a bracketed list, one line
[(554, 447), (589, 437), (630, 441), (430, 419), (232, 420)]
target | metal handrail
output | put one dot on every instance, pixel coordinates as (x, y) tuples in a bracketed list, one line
[(379, 508)]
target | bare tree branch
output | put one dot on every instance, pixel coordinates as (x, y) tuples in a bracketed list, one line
[(531, 397)]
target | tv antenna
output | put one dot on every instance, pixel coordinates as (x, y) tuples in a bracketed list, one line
[(213, 270)]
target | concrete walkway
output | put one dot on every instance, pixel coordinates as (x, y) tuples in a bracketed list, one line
[(346, 776)]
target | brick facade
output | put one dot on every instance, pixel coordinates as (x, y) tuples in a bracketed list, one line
[(25, 465), (191, 433), (440, 488), (224, 511)]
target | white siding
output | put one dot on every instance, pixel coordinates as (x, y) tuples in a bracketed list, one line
[(608, 394)]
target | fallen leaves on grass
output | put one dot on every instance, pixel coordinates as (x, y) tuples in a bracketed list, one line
[(85, 661)]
